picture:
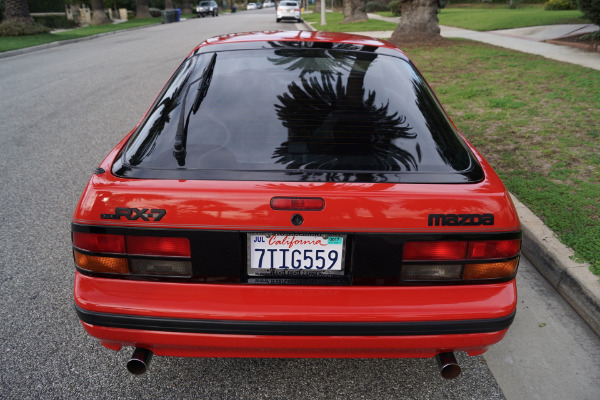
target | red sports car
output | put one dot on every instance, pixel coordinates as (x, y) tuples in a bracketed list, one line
[(296, 194)]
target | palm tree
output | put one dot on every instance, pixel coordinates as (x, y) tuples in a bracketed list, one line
[(98, 14), (354, 11), (17, 11), (419, 21), (142, 10)]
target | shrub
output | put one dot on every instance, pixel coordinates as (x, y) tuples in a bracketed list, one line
[(374, 6), (55, 21), (552, 5), (395, 7), (590, 9), (12, 28)]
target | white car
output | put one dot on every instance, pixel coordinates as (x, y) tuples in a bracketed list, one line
[(268, 4), (289, 10), (251, 6)]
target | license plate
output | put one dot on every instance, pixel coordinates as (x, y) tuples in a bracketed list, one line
[(295, 255)]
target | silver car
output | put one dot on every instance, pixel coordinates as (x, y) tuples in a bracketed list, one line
[(289, 10), (205, 8)]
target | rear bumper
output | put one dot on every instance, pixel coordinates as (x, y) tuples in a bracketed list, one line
[(293, 321)]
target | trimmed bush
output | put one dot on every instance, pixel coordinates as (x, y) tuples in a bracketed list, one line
[(590, 9), (553, 5), (11, 28)]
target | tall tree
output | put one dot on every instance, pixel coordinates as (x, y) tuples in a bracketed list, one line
[(17, 11), (419, 21), (98, 14), (169, 5), (142, 10), (354, 11)]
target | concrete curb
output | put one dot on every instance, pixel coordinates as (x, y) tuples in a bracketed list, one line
[(573, 280)]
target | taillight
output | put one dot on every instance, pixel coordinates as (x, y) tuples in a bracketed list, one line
[(132, 255), (471, 260)]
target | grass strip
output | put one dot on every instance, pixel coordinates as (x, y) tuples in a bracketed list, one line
[(494, 17)]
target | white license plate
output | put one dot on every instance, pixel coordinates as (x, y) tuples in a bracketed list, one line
[(295, 255)]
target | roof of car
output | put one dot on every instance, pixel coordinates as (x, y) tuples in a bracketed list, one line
[(297, 36)]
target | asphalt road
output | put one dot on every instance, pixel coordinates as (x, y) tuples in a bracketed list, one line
[(61, 111)]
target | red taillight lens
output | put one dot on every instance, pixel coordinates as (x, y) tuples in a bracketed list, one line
[(493, 249), (428, 251), (297, 204), (158, 246), (99, 243)]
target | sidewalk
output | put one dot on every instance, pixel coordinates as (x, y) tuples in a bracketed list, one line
[(573, 280)]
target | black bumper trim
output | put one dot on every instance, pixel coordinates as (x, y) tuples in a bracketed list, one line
[(272, 328)]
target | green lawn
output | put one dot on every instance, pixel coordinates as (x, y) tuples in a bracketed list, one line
[(19, 42), (494, 17)]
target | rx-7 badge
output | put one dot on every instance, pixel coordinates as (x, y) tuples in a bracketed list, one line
[(134, 214)]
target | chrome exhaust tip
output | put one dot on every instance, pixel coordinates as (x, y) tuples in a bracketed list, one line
[(448, 365), (139, 361)]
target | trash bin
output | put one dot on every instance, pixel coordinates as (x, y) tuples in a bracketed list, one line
[(233, 9), (169, 16), (178, 14)]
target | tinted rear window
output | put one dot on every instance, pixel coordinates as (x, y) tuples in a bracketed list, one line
[(290, 113)]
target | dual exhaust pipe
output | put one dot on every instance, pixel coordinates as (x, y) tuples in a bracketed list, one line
[(140, 361), (448, 365)]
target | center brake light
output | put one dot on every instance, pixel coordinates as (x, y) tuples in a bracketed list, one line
[(132, 255), (460, 260), (297, 203)]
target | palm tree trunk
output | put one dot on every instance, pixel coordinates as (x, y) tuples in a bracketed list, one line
[(419, 22), (354, 11), (142, 10), (98, 14), (17, 11)]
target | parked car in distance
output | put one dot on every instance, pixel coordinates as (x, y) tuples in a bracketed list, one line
[(341, 215), (205, 8), (268, 4), (259, 5), (289, 10), (251, 6)]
